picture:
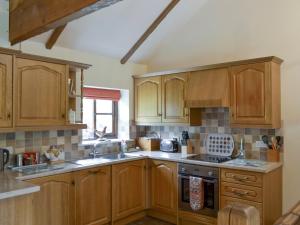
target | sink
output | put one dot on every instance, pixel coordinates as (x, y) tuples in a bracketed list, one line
[(89, 162), (100, 159), (40, 168), (247, 162), (115, 156)]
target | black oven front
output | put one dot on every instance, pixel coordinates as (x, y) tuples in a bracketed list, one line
[(210, 176)]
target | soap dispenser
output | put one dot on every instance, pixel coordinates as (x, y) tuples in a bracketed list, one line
[(242, 149)]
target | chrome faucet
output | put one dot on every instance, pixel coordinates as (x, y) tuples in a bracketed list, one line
[(94, 152)]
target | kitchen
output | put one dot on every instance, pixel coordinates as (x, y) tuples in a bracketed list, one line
[(136, 106)]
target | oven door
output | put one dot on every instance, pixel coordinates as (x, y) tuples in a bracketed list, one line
[(211, 196)]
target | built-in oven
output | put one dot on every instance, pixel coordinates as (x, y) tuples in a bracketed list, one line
[(210, 176)]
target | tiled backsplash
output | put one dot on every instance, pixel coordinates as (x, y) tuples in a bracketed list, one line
[(36, 141), (214, 120)]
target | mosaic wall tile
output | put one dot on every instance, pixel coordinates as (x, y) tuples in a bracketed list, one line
[(214, 120), (37, 141)]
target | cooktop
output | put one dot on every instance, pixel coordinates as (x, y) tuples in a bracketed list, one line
[(210, 158)]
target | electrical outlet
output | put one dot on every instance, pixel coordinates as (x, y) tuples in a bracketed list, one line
[(260, 144)]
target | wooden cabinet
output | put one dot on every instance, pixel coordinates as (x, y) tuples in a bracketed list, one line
[(263, 191), (160, 100), (255, 95), (163, 179), (188, 218), (128, 188), (54, 203), (93, 196), (208, 88), (40, 93), (148, 100), (17, 210), (173, 96), (6, 89)]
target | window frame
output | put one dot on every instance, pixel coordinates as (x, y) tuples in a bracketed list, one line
[(114, 114), (114, 133)]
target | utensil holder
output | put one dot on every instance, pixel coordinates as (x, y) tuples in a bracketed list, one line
[(273, 155)]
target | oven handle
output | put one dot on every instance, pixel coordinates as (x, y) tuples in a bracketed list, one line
[(205, 180)]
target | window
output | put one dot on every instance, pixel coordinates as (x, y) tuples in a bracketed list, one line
[(98, 114)]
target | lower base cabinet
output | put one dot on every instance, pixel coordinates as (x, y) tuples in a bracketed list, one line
[(17, 211), (187, 218), (129, 190), (163, 190), (261, 190), (54, 203), (93, 196)]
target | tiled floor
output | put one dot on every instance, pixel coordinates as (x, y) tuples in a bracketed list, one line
[(149, 221)]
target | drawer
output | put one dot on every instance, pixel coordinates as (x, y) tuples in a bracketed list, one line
[(228, 200), (241, 191), (242, 177)]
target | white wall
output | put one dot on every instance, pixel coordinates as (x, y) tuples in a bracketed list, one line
[(233, 30), (105, 71)]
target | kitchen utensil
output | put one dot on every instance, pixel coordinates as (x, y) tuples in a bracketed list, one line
[(4, 157), (185, 137), (266, 140)]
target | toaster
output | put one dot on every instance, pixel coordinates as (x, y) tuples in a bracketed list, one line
[(169, 145)]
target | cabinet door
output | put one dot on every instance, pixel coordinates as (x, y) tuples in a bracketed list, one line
[(5, 90), (40, 93), (128, 188), (251, 94), (164, 186), (148, 100), (54, 203), (173, 96), (93, 196)]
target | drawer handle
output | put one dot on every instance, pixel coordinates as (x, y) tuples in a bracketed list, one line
[(240, 193), (242, 179)]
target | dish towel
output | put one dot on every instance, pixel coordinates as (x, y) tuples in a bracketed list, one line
[(196, 193)]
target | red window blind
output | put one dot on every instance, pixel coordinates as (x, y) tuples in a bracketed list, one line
[(104, 94)]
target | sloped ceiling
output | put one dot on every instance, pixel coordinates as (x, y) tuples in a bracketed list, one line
[(112, 31)]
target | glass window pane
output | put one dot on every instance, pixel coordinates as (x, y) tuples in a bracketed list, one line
[(104, 121), (104, 106), (88, 118)]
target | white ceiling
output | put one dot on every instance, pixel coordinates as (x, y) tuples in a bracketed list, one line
[(112, 31)]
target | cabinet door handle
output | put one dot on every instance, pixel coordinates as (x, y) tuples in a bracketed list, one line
[(159, 114), (63, 115), (94, 172), (8, 115), (73, 182)]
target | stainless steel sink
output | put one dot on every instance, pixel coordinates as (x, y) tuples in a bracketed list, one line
[(247, 162), (40, 168), (91, 160)]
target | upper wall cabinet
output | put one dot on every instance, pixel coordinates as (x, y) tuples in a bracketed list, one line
[(208, 88), (148, 100), (160, 99), (255, 95), (173, 94), (40, 93), (249, 88), (5, 91)]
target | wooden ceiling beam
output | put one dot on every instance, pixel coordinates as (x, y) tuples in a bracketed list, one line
[(28, 18), (54, 36), (149, 31)]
